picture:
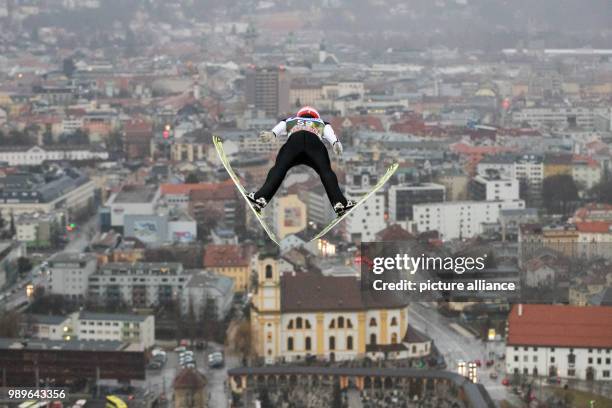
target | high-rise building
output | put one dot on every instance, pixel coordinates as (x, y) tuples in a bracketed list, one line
[(267, 88)]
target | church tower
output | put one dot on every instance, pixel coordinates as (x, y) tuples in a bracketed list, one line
[(265, 315)]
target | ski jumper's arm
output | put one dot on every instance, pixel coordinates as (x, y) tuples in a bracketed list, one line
[(280, 128), (329, 134)]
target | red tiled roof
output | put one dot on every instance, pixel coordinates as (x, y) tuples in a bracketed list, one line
[(214, 191), (601, 227), (226, 256), (560, 326)]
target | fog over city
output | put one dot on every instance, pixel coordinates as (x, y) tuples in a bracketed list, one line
[(201, 203)]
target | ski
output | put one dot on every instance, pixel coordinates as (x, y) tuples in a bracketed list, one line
[(218, 142), (378, 185)]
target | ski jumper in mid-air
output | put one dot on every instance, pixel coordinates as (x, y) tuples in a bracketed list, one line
[(304, 145)]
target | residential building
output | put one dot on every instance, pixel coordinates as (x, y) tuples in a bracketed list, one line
[(403, 197), (37, 230), (267, 88), (560, 117), (37, 155), (366, 220), (460, 219), (571, 342), (137, 137), (138, 284), (128, 328), (232, 261), (289, 215), (493, 187), (69, 273)]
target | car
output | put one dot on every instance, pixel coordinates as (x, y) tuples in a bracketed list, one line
[(493, 375), (190, 365), (506, 382), (478, 363), (180, 349), (215, 360), (154, 365)]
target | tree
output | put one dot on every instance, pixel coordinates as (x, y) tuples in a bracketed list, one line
[(602, 192), (23, 265), (192, 178), (68, 67), (560, 193)]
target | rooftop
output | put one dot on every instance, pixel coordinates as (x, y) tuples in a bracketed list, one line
[(136, 194), (560, 326), (226, 255), (311, 291), (124, 317)]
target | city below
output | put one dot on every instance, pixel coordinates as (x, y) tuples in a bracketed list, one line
[(169, 176)]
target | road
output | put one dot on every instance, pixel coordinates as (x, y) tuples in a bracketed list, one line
[(77, 243), (457, 345)]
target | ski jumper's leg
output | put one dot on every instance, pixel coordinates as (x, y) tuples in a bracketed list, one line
[(287, 157), (318, 158)]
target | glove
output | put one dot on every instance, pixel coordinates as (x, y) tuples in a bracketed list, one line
[(266, 136), (337, 147)]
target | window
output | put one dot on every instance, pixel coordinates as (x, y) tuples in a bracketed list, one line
[(605, 373), (341, 322), (290, 343), (571, 372), (349, 324), (373, 322), (349, 343), (290, 325), (394, 321), (535, 359), (373, 339), (332, 324), (307, 344), (268, 271), (590, 360), (332, 343), (307, 324), (552, 359), (298, 323), (525, 358), (394, 338), (516, 358)]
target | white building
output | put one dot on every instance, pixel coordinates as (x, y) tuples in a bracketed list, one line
[(69, 274), (494, 188), (403, 197), (130, 328), (127, 328), (366, 220), (36, 155), (560, 117), (132, 200), (460, 219), (140, 284), (572, 342)]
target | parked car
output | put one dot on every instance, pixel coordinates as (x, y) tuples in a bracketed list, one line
[(180, 349), (506, 382), (216, 360), (493, 375)]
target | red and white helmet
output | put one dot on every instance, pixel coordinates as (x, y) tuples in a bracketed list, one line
[(308, 112)]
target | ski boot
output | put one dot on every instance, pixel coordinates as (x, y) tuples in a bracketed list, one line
[(258, 203), (341, 209)]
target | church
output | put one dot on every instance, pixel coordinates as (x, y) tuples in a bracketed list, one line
[(301, 315)]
